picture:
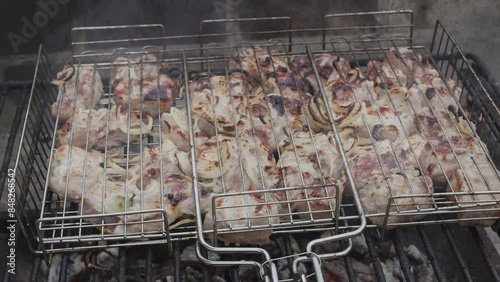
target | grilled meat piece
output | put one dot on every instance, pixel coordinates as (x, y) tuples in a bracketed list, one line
[(161, 171), (260, 63), (285, 102), (402, 102), (130, 122), (317, 201), (344, 97), (68, 168), (259, 168), (403, 99), (374, 200), (135, 69), (83, 96), (412, 64), (213, 158), (424, 79), (352, 102), (175, 127), (236, 167), (242, 109), (177, 198), (241, 212), (286, 84), (474, 180), (82, 128), (110, 197), (453, 158), (286, 114), (438, 98), (417, 145), (155, 162), (316, 149), (443, 88), (351, 88), (105, 129), (141, 82), (398, 175), (221, 100), (451, 146), (152, 95), (385, 77), (259, 125), (328, 66), (396, 123), (372, 123), (243, 166), (416, 102), (120, 197), (272, 119), (310, 160)]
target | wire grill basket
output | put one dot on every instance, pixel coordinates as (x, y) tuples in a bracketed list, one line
[(261, 67)]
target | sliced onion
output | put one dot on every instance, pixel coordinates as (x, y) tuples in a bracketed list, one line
[(184, 162), (209, 183), (208, 158), (181, 222), (350, 138), (177, 117), (123, 124), (352, 114), (314, 113), (251, 157)]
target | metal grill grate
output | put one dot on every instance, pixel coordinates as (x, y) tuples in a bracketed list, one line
[(426, 236), (447, 260)]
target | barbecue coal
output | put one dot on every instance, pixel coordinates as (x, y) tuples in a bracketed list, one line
[(335, 269)]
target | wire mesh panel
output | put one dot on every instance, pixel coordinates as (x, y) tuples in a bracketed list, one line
[(258, 131), (419, 153), (254, 146), (68, 146), (31, 167), (114, 177)]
